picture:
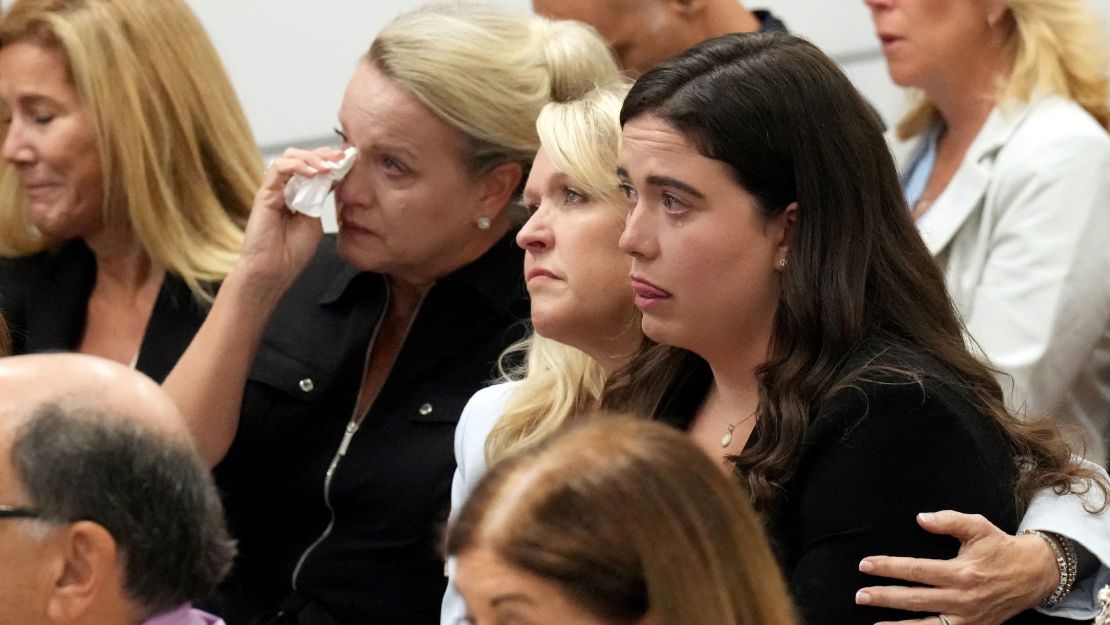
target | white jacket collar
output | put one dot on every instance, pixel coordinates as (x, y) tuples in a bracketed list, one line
[(969, 184)]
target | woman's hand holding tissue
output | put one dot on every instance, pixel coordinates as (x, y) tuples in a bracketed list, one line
[(280, 242)]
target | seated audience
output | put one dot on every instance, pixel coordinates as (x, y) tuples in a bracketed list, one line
[(579, 342), (618, 521), (1005, 163), (128, 172), (330, 375), (107, 514), (812, 340)]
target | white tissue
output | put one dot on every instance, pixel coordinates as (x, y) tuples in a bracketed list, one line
[(307, 195)]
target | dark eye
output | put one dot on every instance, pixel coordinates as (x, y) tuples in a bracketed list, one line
[(42, 120), (532, 207), (392, 164), (672, 204), (628, 191), (342, 136)]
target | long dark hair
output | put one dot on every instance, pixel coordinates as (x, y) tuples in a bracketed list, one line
[(5, 338), (791, 128)]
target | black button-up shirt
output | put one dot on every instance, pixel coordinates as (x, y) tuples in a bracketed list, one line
[(377, 558)]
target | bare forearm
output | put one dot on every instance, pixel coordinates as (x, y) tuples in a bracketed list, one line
[(208, 381), (210, 377)]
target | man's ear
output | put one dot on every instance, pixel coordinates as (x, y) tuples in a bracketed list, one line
[(87, 566), (497, 187)]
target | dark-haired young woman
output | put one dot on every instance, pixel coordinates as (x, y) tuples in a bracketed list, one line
[(819, 350)]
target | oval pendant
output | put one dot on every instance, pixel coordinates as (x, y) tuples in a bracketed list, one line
[(726, 439)]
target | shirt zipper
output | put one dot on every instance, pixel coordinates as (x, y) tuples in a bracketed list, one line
[(353, 425)]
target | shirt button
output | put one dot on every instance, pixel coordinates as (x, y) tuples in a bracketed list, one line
[(307, 385), (425, 410)]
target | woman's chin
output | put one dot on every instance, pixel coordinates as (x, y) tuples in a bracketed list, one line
[(662, 331), (354, 251)]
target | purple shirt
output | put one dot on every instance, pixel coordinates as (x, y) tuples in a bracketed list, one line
[(185, 615)]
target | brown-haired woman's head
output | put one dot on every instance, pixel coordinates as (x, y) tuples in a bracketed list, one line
[(769, 221), (619, 521)]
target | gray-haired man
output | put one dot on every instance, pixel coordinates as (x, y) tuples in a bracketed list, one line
[(107, 515)]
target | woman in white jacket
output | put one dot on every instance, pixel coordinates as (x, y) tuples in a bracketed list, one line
[(1005, 162)]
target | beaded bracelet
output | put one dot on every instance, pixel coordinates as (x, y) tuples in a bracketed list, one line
[(1065, 561)]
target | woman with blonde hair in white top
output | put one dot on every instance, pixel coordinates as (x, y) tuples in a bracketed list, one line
[(1005, 162)]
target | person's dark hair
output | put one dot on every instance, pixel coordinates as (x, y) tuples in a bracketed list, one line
[(152, 494), (791, 128), (628, 518), (5, 338)]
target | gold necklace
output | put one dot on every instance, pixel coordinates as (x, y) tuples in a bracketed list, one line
[(726, 440)]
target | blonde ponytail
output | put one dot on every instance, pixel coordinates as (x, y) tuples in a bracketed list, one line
[(577, 60)]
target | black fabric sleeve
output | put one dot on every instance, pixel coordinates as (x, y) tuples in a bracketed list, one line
[(874, 458)]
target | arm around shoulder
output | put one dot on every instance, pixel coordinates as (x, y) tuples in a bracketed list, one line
[(1078, 517), (878, 457)]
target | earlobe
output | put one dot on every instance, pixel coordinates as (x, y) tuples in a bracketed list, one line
[(497, 189), (87, 561)]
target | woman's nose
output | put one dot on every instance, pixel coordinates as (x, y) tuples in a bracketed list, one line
[(536, 233), (16, 148), (637, 240)]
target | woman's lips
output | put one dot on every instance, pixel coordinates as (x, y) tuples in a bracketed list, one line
[(353, 228), (889, 42), (647, 294), (40, 190), (539, 273)]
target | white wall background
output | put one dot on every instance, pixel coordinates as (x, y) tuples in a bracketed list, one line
[(290, 59)]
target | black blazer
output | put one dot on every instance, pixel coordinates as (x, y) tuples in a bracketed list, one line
[(44, 298)]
